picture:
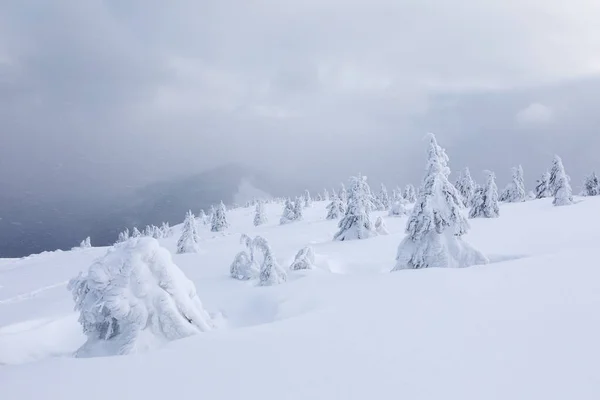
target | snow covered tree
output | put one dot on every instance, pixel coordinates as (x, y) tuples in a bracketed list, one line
[(86, 243), (436, 224), (384, 199), (396, 195), (307, 199), (166, 230), (542, 187), (289, 215), (380, 227), (326, 195), (559, 181), (123, 236), (319, 198), (133, 297), (259, 214), (591, 186), (410, 194), (334, 209), (298, 212), (466, 187), (305, 259), (555, 170), (153, 231), (485, 199), (271, 272), (356, 223), (343, 194), (135, 233), (398, 208), (515, 191), (219, 219), (244, 266), (189, 240)]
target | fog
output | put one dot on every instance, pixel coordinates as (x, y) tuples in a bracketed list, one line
[(100, 97)]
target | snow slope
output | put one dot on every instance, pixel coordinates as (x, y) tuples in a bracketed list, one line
[(525, 326)]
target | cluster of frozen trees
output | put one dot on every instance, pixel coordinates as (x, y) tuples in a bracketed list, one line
[(246, 266), (164, 231)]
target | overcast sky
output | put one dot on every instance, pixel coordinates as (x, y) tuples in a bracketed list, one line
[(104, 95)]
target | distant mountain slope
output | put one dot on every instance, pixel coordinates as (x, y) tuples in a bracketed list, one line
[(30, 226)]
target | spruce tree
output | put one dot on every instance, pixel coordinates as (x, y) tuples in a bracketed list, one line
[(219, 219), (466, 187), (123, 236), (356, 223), (326, 195), (319, 198), (334, 209), (591, 186), (485, 200), (380, 226), (271, 272), (86, 243), (436, 224), (307, 199), (289, 215), (410, 194), (559, 181), (515, 191), (343, 194), (259, 214), (135, 233), (298, 212), (189, 240), (305, 259), (202, 217), (542, 186), (384, 199)]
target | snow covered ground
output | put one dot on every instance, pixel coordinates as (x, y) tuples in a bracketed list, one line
[(526, 326)]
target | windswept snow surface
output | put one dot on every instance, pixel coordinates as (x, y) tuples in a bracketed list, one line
[(525, 326)]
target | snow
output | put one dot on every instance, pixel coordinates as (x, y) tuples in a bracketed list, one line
[(525, 326)]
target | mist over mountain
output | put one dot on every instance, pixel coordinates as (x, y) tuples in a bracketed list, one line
[(31, 225)]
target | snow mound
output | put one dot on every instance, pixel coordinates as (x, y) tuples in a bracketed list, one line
[(134, 298)]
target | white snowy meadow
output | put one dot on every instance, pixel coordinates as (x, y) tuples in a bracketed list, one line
[(329, 295)]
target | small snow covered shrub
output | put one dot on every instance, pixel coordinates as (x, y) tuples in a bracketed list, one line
[(334, 209), (134, 298), (305, 259), (86, 243), (380, 227), (259, 213), (591, 186), (244, 267), (271, 272), (289, 215), (398, 208)]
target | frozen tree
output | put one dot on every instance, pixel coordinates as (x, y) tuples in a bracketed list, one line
[(515, 191), (203, 218), (319, 198), (398, 208), (219, 219), (466, 187), (259, 214), (380, 227), (555, 170), (134, 297), (305, 259), (436, 224), (271, 272), (123, 236), (485, 199), (591, 186), (542, 187), (153, 231), (396, 196), (307, 199), (410, 194), (244, 266), (135, 233), (166, 230), (86, 243), (356, 223), (334, 209), (343, 194), (289, 215), (326, 195), (560, 183), (189, 240), (384, 199), (298, 208)]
